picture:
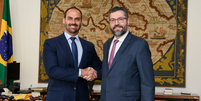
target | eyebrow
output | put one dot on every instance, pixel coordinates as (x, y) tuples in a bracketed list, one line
[(75, 17)]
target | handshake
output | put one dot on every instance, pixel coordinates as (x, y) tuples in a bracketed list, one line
[(89, 74)]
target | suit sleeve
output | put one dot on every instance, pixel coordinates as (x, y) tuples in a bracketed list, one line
[(97, 64), (55, 65), (145, 67)]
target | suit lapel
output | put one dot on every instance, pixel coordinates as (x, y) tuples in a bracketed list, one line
[(106, 52), (84, 54), (121, 50), (66, 48)]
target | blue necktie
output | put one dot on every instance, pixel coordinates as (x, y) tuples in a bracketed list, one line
[(74, 51)]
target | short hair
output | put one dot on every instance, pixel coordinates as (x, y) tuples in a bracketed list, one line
[(72, 8), (116, 8)]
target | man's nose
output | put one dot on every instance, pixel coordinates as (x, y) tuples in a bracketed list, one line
[(116, 22), (73, 21)]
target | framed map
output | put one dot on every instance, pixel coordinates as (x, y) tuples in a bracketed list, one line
[(161, 22)]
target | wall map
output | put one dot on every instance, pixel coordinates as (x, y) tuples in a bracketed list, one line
[(161, 22)]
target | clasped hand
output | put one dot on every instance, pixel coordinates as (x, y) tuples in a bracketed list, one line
[(89, 74)]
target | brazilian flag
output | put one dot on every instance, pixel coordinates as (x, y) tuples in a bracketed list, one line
[(6, 47)]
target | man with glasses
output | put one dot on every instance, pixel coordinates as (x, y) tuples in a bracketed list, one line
[(127, 69)]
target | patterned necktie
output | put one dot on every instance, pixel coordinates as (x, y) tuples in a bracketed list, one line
[(74, 51), (112, 52)]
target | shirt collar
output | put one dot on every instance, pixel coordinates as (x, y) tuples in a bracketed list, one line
[(121, 39), (68, 36)]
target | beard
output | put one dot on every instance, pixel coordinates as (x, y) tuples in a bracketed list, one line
[(119, 32), (74, 30)]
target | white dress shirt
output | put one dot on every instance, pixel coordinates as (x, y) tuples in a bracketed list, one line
[(118, 45), (79, 47)]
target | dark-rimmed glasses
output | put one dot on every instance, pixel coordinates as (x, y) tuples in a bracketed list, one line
[(119, 20)]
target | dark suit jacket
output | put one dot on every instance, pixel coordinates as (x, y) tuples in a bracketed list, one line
[(64, 83), (130, 77)]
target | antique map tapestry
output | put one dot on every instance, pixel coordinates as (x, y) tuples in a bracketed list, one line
[(161, 22)]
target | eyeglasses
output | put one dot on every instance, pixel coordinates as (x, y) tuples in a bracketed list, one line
[(119, 20)]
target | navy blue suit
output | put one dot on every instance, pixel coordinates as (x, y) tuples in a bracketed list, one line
[(131, 76), (64, 83)]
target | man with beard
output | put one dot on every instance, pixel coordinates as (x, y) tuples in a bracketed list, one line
[(127, 69), (69, 60)]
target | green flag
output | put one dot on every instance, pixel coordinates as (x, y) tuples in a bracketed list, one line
[(6, 47)]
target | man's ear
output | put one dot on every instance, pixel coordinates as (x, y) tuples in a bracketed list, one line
[(128, 21), (64, 20)]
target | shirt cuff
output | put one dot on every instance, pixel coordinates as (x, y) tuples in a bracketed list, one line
[(79, 73)]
